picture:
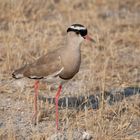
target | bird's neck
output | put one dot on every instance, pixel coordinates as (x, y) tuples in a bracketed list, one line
[(73, 42), (73, 46)]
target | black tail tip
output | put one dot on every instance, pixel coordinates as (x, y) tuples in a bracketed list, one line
[(13, 75), (16, 76)]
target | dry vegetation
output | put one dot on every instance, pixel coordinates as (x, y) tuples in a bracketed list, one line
[(30, 28)]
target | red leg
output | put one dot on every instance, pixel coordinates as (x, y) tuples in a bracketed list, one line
[(56, 104), (35, 99)]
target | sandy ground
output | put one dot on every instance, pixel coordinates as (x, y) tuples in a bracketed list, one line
[(32, 28)]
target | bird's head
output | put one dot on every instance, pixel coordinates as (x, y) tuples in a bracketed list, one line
[(80, 31)]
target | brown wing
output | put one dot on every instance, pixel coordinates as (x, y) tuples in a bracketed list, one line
[(49, 64)]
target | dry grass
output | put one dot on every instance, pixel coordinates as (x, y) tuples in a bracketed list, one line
[(30, 28)]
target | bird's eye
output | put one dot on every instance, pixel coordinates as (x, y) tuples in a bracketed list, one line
[(77, 33)]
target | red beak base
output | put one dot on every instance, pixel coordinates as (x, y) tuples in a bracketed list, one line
[(87, 37)]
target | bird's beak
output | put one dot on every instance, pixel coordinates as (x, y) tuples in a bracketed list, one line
[(87, 37)]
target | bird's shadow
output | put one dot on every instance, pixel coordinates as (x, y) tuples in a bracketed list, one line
[(93, 100)]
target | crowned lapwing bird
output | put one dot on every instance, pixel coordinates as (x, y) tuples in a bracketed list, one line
[(61, 64)]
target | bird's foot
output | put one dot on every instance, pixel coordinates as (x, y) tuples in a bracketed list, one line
[(38, 117), (34, 118)]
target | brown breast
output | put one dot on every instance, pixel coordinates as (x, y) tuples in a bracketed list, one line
[(71, 61)]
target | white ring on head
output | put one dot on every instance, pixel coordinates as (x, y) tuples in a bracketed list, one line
[(78, 27)]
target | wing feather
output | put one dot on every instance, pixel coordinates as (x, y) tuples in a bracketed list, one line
[(49, 64)]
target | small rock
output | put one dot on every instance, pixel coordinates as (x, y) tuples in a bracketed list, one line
[(86, 136)]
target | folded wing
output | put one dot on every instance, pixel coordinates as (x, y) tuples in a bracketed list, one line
[(49, 64)]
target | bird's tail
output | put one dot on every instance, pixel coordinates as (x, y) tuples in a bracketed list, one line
[(19, 73)]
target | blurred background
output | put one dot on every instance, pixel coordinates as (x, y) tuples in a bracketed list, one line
[(31, 28)]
